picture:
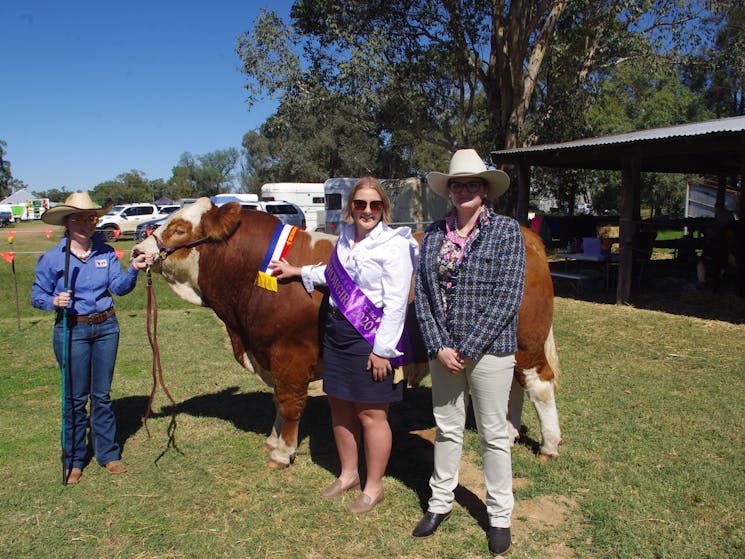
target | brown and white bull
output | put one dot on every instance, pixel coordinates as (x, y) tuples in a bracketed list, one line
[(210, 256)]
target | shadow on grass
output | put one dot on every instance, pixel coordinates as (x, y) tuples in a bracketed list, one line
[(411, 459)]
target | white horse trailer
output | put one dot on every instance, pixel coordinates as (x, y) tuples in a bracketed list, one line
[(308, 195)]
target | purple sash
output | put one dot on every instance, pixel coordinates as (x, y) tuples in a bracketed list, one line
[(359, 310)]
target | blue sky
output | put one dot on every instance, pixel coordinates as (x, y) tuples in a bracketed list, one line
[(90, 90)]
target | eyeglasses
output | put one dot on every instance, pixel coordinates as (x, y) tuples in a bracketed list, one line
[(361, 205), (471, 187), (85, 219)]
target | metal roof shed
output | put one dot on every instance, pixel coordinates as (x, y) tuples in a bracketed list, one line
[(715, 147)]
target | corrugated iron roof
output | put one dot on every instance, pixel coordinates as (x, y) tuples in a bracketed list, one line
[(732, 124)]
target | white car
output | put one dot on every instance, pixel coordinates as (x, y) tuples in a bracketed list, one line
[(286, 212), (123, 219)]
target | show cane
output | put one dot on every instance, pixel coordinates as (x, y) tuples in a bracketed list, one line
[(65, 373)]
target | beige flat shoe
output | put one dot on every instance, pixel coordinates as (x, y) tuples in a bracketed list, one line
[(364, 503), (336, 489)]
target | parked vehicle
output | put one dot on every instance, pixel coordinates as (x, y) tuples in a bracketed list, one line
[(308, 195), (286, 212), (14, 213), (6, 215), (336, 192), (146, 228), (123, 219), (168, 209), (220, 199)]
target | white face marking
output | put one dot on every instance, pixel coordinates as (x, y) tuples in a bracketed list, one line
[(182, 274)]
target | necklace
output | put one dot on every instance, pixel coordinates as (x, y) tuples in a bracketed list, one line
[(457, 229), (81, 255)]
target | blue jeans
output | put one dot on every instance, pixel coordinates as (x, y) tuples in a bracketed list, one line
[(90, 369)]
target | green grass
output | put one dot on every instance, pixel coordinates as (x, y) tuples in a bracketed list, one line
[(650, 404)]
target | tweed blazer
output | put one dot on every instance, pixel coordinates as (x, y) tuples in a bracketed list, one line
[(487, 291)]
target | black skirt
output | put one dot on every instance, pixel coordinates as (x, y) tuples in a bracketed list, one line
[(345, 354)]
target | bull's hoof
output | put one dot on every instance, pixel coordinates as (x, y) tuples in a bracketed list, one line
[(279, 461), (274, 465), (547, 457)]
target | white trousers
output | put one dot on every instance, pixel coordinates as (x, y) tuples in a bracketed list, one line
[(488, 381)]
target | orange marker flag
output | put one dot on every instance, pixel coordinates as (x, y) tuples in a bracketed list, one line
[(8, 257), (11, 233), (117, 232), (119, 253), (48, 233)]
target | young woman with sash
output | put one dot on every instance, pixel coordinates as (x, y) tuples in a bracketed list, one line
[(369, 279), (468, 292)]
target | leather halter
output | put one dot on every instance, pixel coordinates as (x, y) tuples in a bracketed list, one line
[(164, 251)]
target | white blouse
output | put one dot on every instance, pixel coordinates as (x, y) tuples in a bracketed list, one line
[(381, 265)]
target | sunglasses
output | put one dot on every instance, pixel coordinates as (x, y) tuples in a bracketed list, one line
[(471, 187), (85, 219), (361, 205)]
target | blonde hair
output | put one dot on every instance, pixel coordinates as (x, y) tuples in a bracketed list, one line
[(369, 182)]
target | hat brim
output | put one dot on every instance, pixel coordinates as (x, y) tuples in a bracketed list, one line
[(497, 180), (57, 214)]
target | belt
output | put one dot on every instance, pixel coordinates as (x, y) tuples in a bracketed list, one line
[(95, 318), (336, 313)]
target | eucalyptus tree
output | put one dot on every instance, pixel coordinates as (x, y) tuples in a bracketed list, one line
[(5, 175), (205, 175), (57, 195), (450, 73), (126, 188), (720, 67)]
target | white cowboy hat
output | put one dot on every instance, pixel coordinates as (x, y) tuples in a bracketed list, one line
[(467, 163), (76, 202)]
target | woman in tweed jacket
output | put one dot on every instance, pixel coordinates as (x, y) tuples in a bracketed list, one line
[(468, 292)]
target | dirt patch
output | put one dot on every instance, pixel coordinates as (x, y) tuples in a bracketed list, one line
[(547, 515)]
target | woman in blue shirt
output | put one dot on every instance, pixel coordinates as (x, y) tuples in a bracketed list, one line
[(93, 274)]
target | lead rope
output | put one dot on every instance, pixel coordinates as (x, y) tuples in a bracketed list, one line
[(152, 336)]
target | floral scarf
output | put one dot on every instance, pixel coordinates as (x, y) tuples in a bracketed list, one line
[(453, 249)]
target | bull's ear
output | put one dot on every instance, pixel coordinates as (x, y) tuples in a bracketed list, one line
[(218, 223)]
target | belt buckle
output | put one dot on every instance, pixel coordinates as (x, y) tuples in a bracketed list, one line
[(95, 318)]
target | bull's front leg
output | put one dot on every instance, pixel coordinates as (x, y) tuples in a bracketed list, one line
[(290, 403), (291, 366)]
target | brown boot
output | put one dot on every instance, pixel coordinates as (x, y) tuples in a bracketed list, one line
[(116, 467), (73, 476)]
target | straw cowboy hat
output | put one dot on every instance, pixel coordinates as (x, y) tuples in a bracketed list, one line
[(467, 163), (76, 202)]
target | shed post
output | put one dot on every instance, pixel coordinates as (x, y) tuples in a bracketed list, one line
[(629, 187), (523, 192)]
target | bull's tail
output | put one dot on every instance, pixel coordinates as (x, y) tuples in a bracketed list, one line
[(552, 356)]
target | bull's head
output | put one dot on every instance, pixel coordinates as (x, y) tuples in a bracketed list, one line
[(174, 244)]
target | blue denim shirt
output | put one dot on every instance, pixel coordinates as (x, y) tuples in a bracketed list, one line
[(91, 282)]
